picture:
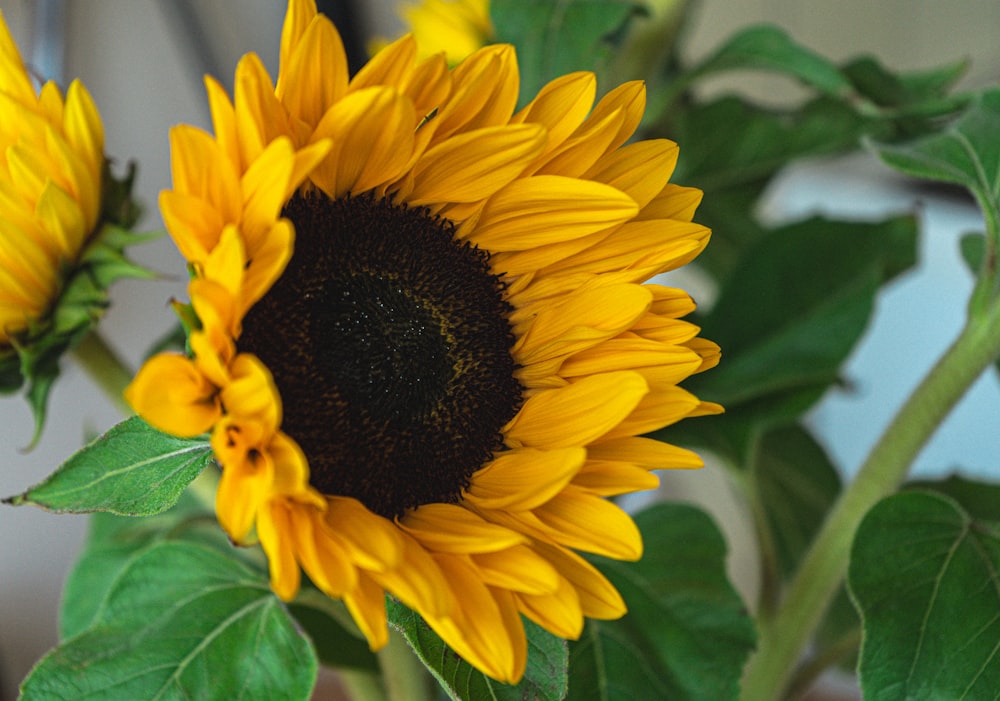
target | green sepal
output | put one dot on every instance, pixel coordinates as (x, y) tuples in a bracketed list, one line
[(132, 470), (544, 678), (32, 361), (681, 605)]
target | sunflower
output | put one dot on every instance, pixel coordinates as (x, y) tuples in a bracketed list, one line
[(457, 27), (53, 204), (424, 347)]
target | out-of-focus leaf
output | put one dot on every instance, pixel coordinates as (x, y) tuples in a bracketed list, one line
[(687, 633), (790, 314), (553, 39), (766, 47), (796, 484), (981, 500), (335, 646), (966, 153), (924, 575), (544, 678), (731, 149)]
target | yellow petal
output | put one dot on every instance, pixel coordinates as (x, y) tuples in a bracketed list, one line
[(608, 478), (518, 569), (82, 126), (298, 15), (561, 106), (640, 170), (366, 604), (263, 188), (274, 525), (484, 93), (647, 452), (589, 316), (372, 541), (451, 528), (371, 132), (418, 581), (587, 522), (524, 478), (558, 612), (577, 414), (195, 225), (251, 393), (474, 165), (315, 75), (172, 395), (661, 407), (246, 479), (598, 597), (673, 202), (321, 554), (63, 220), (628, 353), (485, 639), (199, 168), (224, 120), (549, 208), (268, 262)]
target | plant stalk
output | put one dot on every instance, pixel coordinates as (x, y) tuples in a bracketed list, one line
[(783, 639), (403, 673), (106, 368)]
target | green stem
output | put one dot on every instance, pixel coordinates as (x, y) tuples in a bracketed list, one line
[(362, 685), (822, 570), (105, 368), (405, 676)]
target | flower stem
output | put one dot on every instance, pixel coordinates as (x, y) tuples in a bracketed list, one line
[(825, 564), (362, 685), (105, 367), (405, 676)]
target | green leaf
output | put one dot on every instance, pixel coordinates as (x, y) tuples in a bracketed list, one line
[(335, 645), (555, 38), (766, 47), (796, 485), (544, 678), (924, 575), (113, 541), (966, 153), (687, 633), (973, 247), (980, 499), (731, 150), (911, 101), (791, 313), (132, 470), (182, 622)]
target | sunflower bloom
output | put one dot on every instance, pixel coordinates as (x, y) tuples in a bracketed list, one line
[(457, 27), (426, 351), (52, 200)]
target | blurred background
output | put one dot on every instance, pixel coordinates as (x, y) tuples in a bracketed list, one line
[(142, 61)]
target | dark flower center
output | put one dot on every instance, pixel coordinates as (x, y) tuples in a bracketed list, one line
[(389, 341)]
